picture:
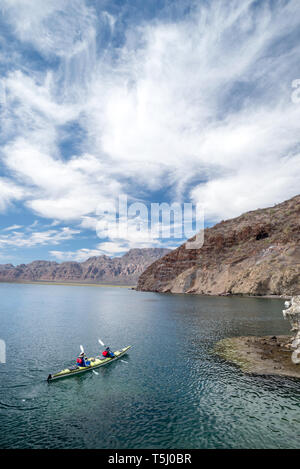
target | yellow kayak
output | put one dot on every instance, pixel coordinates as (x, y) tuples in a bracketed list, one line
[(94, 363)]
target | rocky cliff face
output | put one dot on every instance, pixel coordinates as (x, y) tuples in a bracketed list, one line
[(257, 253), (123, 270)]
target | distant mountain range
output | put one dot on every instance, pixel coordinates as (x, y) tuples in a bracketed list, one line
[(257, 253), (123, 270)]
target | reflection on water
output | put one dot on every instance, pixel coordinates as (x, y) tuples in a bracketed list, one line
[(172, 392)]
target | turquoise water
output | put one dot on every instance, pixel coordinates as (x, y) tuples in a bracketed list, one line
[(170, 392)]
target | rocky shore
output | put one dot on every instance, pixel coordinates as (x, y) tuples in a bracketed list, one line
[(269, 355)]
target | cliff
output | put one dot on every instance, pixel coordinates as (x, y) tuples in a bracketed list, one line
[(257, 253), (123, 270)]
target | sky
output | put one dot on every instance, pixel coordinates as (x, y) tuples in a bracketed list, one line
[(174, 101)]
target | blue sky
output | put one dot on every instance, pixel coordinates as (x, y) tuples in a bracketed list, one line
[(164, 101)]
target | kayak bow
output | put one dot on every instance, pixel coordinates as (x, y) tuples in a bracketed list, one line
[(95, 363)]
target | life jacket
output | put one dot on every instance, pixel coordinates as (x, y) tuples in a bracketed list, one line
[(105, 353), (79, 361)]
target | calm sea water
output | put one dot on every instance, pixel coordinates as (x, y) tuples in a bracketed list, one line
[(172, 392)]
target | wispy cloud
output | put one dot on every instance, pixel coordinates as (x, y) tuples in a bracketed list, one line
[(107, 248), (55, 27), (81, 255), (13, 227), (37, 238), (9, 192), (199, 104)]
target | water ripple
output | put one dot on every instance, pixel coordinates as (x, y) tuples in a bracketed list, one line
[(172, 393)]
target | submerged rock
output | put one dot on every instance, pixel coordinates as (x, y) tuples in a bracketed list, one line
[(267, 355), (259, 355)]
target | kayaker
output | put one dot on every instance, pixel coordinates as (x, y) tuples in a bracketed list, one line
[(107, 353), (82, 360), (79, 360)]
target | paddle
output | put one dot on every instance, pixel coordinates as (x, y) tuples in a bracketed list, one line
[(103, 345), (82, 349)]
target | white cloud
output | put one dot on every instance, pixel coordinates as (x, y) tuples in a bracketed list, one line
[(37, 238), (36, 99), (88, 223), (9, 192), (163, 118), (61, 190), (259, 186), (109, 248), (55, 27), (81, 255), (13, 227), (33, 225), (206, 98)]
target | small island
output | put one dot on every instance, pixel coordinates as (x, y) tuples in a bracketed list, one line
[(269, 355)]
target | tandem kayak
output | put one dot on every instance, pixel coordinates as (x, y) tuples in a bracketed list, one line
[(95, 363)]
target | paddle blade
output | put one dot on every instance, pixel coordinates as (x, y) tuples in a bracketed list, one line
[(101, 343), (82, 349)]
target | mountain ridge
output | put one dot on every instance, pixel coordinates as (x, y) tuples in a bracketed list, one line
[(257, 253), (123, 270)]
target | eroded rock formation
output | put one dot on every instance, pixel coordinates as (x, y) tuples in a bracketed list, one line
[(292, 313), (257, 253)]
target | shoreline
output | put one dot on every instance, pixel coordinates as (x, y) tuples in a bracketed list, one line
[(68, 284), (267, 355), (134, 287), (221, 295)]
